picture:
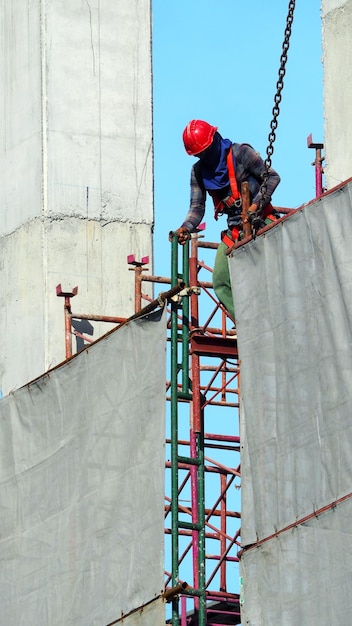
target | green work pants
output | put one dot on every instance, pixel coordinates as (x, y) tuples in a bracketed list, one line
[(221, 279)]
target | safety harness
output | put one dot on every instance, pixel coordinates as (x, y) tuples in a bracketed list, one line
[(234, 201)]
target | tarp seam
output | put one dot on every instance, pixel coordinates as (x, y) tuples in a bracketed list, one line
[(139, 608), (299, 522)]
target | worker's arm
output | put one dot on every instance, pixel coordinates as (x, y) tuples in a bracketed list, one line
[(196, 210), (255, 166)]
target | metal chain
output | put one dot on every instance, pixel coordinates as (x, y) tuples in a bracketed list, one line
[(277, 100)]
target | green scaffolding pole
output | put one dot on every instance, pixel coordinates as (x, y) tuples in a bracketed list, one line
[(196, 460)]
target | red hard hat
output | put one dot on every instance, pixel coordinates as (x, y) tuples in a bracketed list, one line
[(198, 136)]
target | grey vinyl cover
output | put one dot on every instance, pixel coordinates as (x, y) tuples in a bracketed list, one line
[(293, 295), (82, 487)]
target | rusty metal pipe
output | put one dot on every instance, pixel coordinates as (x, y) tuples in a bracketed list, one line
[(156, 279), (169, 594), (138, 289), (163, 297), (99, 318), (245, 207), (68, 334)]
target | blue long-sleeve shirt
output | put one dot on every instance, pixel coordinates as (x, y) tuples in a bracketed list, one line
[(250, 167)]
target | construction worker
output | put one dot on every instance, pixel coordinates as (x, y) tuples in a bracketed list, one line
[(221, 168)]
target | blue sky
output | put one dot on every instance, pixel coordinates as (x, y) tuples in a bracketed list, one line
[(219, 61)]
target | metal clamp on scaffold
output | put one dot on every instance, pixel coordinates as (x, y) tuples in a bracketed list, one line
[(170, 295), (187, 291)]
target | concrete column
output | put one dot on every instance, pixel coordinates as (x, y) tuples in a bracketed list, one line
[(337, 60), (76, 160)]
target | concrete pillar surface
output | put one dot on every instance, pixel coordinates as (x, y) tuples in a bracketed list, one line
[(77, 162), (337, 62)]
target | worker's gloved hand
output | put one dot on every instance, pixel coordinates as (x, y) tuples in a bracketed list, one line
[(182, 235)]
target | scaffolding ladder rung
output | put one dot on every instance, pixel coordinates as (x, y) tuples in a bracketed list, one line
[(189, 460), (183, 395), (189, 525)]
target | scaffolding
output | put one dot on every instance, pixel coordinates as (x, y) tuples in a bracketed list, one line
[(202, 500), (205, 467)]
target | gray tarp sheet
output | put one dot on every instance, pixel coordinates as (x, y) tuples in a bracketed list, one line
[(82, 486), (293, 296)]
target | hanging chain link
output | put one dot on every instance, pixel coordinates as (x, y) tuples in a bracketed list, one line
[(277, 100)]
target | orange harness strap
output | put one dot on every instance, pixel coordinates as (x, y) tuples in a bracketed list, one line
[(230, 240), (235, 198), (232, 176)]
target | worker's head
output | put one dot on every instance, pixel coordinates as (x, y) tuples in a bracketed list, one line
[(198, 136)]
